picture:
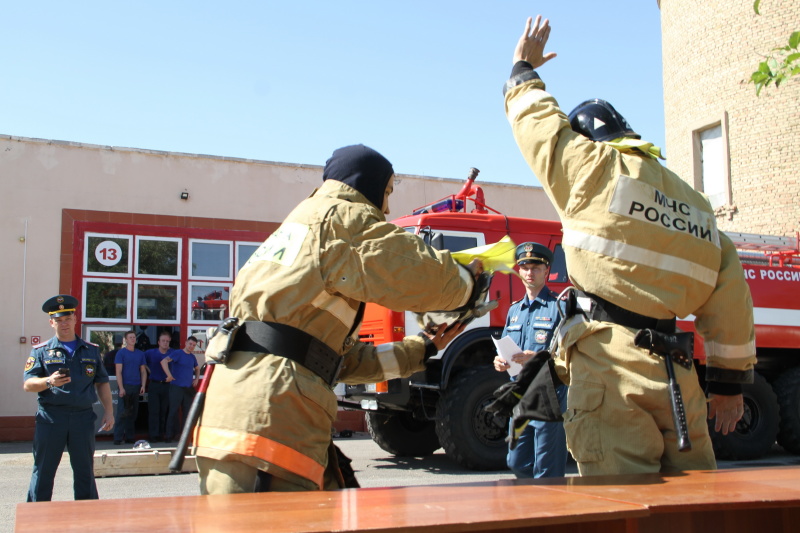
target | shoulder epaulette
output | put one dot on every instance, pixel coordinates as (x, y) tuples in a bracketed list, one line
[(40, 344), (516, 301)]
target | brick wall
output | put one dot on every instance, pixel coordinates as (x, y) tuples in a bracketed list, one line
[(710, 48)]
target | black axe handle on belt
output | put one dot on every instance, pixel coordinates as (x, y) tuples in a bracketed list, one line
[(176, 464), (666, 345)]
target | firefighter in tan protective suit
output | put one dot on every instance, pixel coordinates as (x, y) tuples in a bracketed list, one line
[(642, 248), (268, 413)]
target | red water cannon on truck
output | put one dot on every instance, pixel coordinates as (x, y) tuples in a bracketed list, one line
[(443, 406)]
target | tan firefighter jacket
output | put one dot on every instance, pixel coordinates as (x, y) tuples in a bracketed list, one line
[(636, 234), (334, 251)]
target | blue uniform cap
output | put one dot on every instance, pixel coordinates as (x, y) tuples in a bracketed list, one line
[(60, 305), (533, 252)]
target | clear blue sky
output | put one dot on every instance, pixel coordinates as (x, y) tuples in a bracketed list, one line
[(290, 81)]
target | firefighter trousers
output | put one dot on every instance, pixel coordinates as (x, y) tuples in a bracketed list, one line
[(619, 417), (233, 477)]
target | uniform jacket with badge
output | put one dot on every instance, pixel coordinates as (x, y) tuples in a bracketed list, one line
[(333, 252), (531, 324), (637, 235), (86, 369)]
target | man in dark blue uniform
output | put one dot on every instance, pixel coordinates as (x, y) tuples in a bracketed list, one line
[(158, 388), (541, 450), (68, 374), (183, 374)]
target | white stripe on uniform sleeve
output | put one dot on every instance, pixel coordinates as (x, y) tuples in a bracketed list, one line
[(730, 351), (388, 360)]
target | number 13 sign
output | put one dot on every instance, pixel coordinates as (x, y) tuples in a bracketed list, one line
[(108, 253)]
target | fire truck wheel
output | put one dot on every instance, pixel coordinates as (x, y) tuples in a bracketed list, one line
[(472, 437), (787, 387), (403, 435), (756, 431)]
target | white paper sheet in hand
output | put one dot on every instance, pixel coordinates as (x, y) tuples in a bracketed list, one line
[(506, 347)]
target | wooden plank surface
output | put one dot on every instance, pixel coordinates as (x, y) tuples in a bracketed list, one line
[(697, 502), (112, 463), (440, 509), (748, 488)]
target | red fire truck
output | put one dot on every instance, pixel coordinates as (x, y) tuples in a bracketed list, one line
[(443, 406)]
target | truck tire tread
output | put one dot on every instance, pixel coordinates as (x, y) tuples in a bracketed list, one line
[(787, 388), (460, 410), (402, 435)]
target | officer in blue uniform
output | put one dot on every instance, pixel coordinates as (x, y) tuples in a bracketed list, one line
[(542, 447), (68, 374)]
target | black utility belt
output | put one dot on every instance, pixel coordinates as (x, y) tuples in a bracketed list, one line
[(291, 343), (604, 311), (659, 336)]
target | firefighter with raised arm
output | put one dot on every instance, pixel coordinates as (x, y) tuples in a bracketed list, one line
[(643, 248), (299, 302)]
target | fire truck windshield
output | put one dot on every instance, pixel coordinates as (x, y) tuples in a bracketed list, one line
[(443, 241)]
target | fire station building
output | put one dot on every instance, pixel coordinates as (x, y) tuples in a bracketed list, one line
[(149, 241)]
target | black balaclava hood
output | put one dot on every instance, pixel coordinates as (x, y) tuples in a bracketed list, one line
[(363, 169)]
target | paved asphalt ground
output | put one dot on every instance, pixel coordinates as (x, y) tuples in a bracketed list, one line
[(374, 468)]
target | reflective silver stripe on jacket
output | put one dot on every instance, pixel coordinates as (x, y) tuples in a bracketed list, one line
[(640, 256), (730, 351), (388, 360)]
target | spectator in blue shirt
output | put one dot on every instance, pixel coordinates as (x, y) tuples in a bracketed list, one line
[(157, 388), (131, 377), (183, 373)]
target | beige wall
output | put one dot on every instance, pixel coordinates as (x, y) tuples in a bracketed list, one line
[(40, 178), (710, 48)]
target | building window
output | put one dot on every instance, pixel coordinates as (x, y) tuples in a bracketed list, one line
[(157, 302), (208, 301), (711, 165), (243, 252), (713, 173), (210, 259), (199, 350), (107, 255), (158, 257), (106, 300)]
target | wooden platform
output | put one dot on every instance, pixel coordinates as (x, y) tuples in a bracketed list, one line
[(731, 501), (153, 461)]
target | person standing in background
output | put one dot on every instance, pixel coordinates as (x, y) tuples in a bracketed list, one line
[(68, 375), (157, 388), (183, 373), (541, 450), (131, 377)]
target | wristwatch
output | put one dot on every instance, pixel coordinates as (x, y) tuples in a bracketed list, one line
[(49, 384)]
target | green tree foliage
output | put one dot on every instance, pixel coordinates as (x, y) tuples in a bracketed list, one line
[(781, 64), (158, 258)]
